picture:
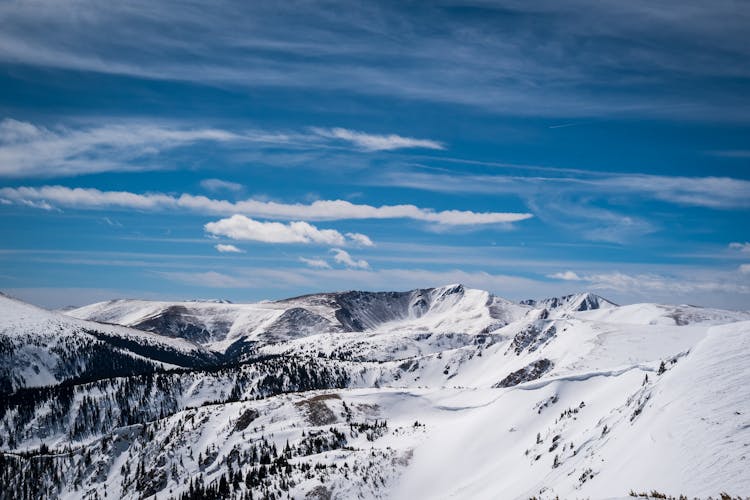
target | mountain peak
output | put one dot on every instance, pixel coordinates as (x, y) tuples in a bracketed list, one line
[(583, 301)]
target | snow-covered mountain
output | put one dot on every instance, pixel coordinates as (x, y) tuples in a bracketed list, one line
[(433, 393), (448, 309), (571, 303), (42, 348)]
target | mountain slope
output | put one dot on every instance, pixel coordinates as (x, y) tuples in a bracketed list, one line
[(40, 348), (449, 309), (433, 393)]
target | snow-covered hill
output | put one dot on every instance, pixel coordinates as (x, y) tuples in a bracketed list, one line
[(41, 348), (435, 393)]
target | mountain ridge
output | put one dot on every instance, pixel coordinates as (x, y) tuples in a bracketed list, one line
[(428, 392)]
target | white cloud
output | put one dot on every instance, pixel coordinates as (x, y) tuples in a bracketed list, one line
[(374, 142), (112, 222), (709, 192), (742, 247), (745, 268), (343, 257), (315, 263), (43, 205), (509, 71), (28, 150), (215, 185), (239, 227), (87, 198), (656, 283), (566, 276), (596, 205), (228, 248), (360, 239)]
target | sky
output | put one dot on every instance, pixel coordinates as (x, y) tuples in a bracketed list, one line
[(260, 150)]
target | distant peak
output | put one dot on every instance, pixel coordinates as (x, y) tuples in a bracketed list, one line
[(452, 288), (583, 301)]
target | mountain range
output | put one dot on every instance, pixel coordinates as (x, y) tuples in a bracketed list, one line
[(445, 392)]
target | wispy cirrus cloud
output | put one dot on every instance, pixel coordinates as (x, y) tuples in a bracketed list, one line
[(83, 198), (217, 185), (597, 205), (655, 283), (512, 57), (708, 192), (315, 263), (28, 150), (375, 142)]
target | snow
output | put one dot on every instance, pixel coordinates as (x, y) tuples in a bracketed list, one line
[(604, 420), (40, 341), (448, 309)]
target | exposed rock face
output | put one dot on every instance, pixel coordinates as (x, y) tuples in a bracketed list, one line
[(298, 322), (571, 303), (530, 372), (178, 321), (533, 336)]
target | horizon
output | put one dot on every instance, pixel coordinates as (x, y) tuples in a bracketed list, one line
[(157, 151), (225, 300)]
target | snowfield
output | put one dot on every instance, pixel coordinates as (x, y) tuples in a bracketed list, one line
[(433, 393)]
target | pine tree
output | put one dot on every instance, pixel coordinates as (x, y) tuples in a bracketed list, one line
[(223, 486)]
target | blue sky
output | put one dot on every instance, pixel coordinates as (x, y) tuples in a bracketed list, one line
[(247, 150)]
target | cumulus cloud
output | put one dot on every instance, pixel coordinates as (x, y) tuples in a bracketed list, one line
[(742, 247), (360, 239), (566, 276), (343, 257), (228, 248), (374, 142), (87, 198), (745, 268), (315, 263), (215, 185), (239, 227)]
